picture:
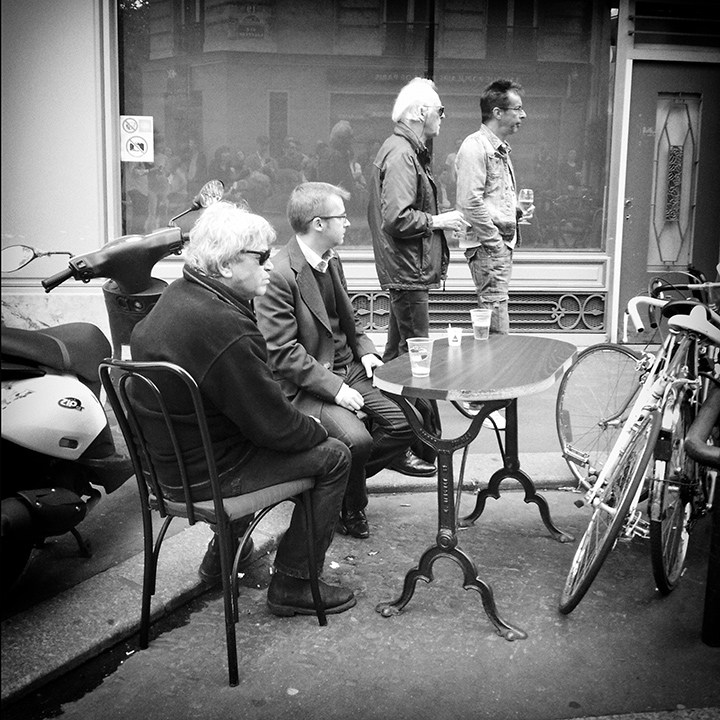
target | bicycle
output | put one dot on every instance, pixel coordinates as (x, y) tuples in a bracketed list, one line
[(597, 391), (668, 397)]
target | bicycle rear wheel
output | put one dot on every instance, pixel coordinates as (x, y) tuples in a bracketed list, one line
[(593, 400), (610, 514), (671, 492)]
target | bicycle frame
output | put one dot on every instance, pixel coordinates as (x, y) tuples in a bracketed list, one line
[(664, 375)]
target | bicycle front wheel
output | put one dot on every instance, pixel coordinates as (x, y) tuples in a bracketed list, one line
[(610, 511), (671, 497), (593, 401)]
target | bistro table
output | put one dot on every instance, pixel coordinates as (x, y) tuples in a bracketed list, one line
[(492, 373)]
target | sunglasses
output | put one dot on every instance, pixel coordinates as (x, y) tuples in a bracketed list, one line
[(262, 255), (439, 108)]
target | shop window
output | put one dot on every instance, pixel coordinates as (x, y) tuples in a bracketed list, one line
[(254, 90)]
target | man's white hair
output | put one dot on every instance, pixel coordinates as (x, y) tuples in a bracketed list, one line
[(417, 93), (222, 234)]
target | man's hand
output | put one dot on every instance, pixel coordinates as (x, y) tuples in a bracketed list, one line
[(349, 399), (370, 362), (452, 220), (528, 214)]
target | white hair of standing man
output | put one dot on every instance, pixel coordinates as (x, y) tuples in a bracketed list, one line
[(419, 92)]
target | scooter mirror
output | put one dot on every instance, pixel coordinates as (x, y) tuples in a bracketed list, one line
[(15, 257), (211, 192)]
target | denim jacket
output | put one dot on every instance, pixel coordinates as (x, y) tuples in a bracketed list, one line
[(486, 190)]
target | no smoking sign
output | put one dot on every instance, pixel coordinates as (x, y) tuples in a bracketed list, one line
[(136, 138)]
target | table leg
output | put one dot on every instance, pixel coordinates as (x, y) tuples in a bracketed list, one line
[(471, 581), (446, 539), (512, 470)]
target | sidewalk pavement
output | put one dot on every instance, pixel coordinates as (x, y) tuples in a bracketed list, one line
[(57, 635)]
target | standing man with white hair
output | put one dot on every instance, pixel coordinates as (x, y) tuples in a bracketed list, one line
[(411, 253)]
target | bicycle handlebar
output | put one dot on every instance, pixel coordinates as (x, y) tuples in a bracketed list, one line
[(634, 313), (665, 287)]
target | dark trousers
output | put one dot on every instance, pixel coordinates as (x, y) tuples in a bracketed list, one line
[(409, 317), (372, 450), (328, 463)]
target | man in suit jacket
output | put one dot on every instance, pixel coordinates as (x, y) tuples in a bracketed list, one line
[(320, 354)]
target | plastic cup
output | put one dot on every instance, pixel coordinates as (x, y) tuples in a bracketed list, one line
[(420, 351), (481, 322), (454, 335)]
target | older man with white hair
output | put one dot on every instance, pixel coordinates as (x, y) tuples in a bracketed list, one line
[(411, 252), (204, 322)]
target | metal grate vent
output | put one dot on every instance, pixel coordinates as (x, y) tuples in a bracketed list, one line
[(530, 312)]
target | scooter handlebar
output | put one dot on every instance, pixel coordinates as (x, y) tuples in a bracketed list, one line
[(52, 282), (128, 260)]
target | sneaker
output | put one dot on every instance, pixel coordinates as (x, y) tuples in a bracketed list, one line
[(210, 572), (494, 421)]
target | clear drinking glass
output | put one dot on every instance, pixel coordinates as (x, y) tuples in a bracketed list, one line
[(526, 198)]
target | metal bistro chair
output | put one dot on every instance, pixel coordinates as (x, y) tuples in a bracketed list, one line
[(121, 379)]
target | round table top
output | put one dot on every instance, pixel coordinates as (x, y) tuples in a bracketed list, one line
[(499, 368)]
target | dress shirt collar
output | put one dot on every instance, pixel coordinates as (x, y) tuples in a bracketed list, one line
[(317, 262)]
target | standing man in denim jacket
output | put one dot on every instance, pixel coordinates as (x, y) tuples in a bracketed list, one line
[(411, 253), (487, 198)]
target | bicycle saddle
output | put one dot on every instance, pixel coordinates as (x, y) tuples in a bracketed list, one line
[(679, 307), (701, 319)]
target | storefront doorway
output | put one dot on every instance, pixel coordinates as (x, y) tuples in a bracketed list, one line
[(672, 186)]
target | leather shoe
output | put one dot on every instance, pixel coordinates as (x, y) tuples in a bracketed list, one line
[(410, 464), (354, 522), (210, 572), (289, 596)]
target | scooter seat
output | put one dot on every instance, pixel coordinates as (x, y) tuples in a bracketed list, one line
[(73, 347)]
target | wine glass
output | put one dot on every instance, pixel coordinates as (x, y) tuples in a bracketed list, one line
[(526, 198)]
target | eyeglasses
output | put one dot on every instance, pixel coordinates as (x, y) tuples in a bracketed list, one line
[(518, 108), (439, 108), (330, 217), (262, 255)]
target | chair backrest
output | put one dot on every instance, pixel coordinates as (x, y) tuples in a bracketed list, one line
[(143, 396)]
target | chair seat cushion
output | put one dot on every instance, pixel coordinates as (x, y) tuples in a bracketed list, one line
[(242, 505)]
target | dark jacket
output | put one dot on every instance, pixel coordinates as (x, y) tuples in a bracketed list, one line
[(199, 324), (409, 255), (294, 321)]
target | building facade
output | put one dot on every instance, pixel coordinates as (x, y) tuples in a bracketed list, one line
[(621, 129)]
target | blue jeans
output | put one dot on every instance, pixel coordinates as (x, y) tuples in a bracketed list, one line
[(409, 317), (328, 463), (490, 267), (371, 449)]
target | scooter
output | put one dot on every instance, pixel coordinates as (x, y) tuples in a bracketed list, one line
[(57, 445)]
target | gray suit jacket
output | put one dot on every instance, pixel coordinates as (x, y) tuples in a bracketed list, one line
[(295, 323)]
